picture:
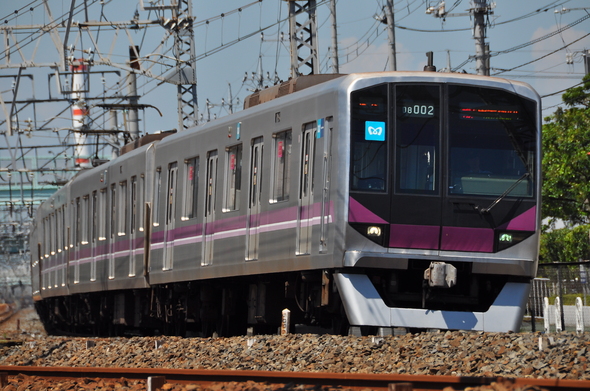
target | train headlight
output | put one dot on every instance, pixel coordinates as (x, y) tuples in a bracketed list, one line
[(378, 233), (505, 239), (374, 231)]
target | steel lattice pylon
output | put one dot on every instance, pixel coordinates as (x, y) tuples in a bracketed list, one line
[(184, 75), (303, 34), (184, 43)]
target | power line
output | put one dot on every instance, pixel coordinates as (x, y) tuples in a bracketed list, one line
[(542, 57)]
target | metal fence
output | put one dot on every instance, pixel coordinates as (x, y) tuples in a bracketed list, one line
[(566, 281)]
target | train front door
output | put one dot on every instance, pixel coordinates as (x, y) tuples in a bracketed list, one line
[(306, 171), (416, 204), (209, 223), (252, 231)]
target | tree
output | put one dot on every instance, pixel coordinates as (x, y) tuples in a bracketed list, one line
[(566, 163), (565, 245)]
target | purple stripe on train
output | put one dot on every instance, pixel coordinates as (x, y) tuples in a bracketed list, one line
[(414, 236), (451, 238)]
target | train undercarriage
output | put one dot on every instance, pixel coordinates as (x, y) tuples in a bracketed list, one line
[(224, 307)]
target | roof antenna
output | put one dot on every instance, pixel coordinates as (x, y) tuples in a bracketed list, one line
[(429, 67)]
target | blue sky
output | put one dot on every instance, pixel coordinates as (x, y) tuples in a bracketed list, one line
[(228, 47)]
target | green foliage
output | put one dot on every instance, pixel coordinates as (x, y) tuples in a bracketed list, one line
[(578, 95), (565, 245), (566, 163)]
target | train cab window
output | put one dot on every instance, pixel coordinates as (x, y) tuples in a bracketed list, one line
[(281, 166), (191, 189), (491, 142), (123, 213), (417, 129), (157, 190), (233, 178), (369, 152)]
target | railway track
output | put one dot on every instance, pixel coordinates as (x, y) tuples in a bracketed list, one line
[(153, 379)]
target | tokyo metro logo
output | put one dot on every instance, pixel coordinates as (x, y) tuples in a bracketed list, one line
[(375, 130)]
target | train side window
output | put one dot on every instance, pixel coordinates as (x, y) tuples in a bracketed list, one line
[(141, 203), (113, 225), (77, 222), (172, 190), (94, 233), (133, 205), (191, 188), (59, 230), (157, 189), (43, 250), (102, 213), (233, 178), (94, 216), (281, 166), (52, 222), (123, 204), (85, 213)]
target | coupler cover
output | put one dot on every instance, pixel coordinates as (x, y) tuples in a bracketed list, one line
[(441, 275)]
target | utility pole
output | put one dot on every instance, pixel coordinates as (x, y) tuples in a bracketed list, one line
[(303, 36), (479, 10), (391, 34), (334, 47), (132, 117)]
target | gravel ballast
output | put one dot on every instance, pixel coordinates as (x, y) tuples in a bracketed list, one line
[(457, 353)]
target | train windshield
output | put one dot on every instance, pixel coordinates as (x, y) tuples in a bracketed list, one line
[(398, 132), (491, 142), (369, 139)]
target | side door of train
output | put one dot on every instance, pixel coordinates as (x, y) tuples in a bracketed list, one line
[(170, 215), (306, 189), (209, 212), (253, 213)]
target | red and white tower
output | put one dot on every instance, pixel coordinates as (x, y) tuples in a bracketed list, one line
[(79, 114)]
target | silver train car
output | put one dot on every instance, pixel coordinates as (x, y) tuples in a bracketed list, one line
[(372, 201)]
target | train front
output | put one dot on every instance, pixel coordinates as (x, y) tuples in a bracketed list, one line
[(444, 202)]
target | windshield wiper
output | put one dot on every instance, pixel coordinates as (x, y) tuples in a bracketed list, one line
[(501, 197)]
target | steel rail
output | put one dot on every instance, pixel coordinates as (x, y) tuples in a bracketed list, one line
[(349, 380)]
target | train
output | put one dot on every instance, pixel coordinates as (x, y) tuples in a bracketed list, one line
[(361, 203)]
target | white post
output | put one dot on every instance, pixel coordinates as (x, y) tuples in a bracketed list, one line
[(546, 314), (286, 320), (579, 316), (558, 325)]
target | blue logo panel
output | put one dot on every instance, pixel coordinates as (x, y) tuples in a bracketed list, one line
[(320, 132), (374, 130)]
